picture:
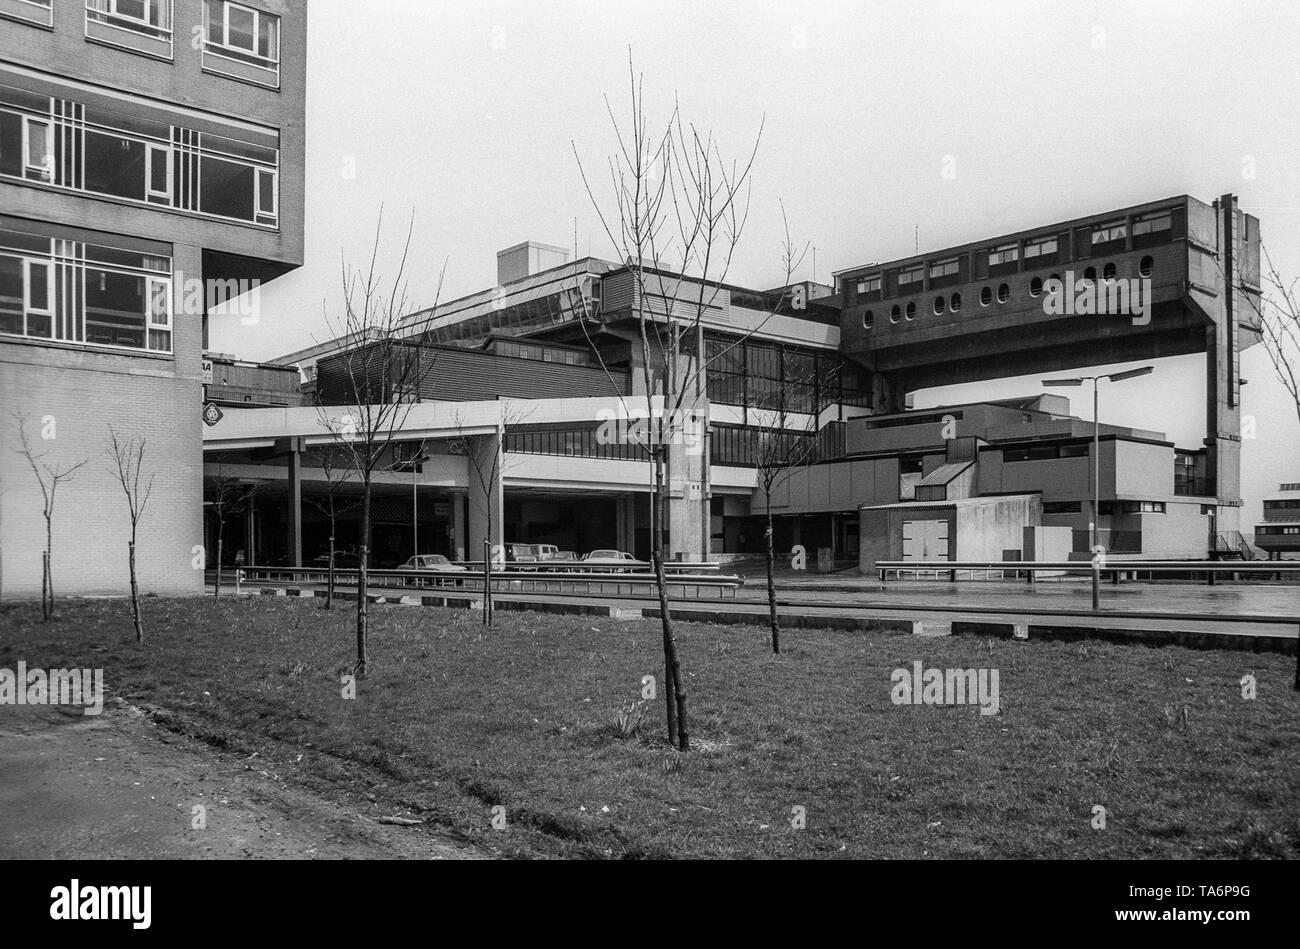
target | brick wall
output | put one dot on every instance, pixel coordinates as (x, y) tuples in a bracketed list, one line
[(91, 526)]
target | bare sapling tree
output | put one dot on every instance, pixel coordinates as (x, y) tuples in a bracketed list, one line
[(1278, 308), (675, 212), (379, 375), (128, 468), (49, 477), (785, 439), (485, 458), (336, 471), (1279, 311), (231, 496)]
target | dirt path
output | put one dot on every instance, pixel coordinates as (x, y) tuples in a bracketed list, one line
[(116, 786)]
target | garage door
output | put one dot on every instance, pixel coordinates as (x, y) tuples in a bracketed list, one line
[(925, 540)]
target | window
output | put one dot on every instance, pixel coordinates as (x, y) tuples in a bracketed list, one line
[(1107, 233), (868, 285), (116, 165), (1006, 254), (242, 33), (1152, 223), (894, 314), (955, 303), (868, 320), (159, 185), (1090, 275), (1043, 247), (911, 310), (986, 296), (1062, 507), (1004, 293), (1111, 508), (945, 268), (40, 293), (911, 275), (148, 17), (940, 304), (118, 298), (267, 196), (1036, 286), (1109, 272), (138, 154), (38, 154), (1145, 266)]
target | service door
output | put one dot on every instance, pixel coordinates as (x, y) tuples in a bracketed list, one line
[(925, 540)]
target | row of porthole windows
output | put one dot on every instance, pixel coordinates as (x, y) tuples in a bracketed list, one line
[(944, 304)]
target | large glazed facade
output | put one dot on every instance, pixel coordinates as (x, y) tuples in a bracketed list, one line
[(151, 165)]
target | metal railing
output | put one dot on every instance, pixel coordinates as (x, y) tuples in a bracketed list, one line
[(1115, 570), (629, 584)]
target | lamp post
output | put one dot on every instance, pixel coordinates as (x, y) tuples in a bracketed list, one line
[(1093, 528)]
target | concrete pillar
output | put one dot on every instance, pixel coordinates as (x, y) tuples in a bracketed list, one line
[(250, 531), (1223, 383), (486, 448), (458, 526), (687, 506), (294, 518)]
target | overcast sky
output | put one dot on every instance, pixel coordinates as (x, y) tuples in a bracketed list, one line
[(466, 113)]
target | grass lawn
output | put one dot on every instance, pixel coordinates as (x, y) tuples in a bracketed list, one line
[(454, 720)]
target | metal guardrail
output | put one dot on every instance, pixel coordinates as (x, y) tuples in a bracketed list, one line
[(579, 566), (630, 585), (1116, 570)]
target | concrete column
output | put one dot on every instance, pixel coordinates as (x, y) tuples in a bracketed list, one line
[(294, 519), (486, 448), (458, 538), (250, 532), (1223, 384)]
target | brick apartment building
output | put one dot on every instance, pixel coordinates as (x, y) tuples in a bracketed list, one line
[(149, 150)]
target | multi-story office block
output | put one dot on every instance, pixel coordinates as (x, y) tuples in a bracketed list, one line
[(151, 166)]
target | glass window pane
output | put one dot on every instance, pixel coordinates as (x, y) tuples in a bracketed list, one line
[(115, 309), (268, 37), (11, 294), (39, 293), (115, 165), (135, 9), (240, 28), (11, 144), (226, 188), (38, 145), (266, 192)]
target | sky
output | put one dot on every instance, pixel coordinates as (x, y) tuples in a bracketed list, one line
[(466, 116)]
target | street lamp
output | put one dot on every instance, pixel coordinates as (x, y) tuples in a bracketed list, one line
[(1096, 432), (1093, 529)]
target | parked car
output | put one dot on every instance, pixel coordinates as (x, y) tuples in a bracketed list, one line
[(561, 560), (530, 553), (435, 562), (342, 561), (616, 560)]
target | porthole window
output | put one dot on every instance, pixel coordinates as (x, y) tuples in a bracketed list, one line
[(1109, 272), (1090, 275), (1146, 266), (940, 304), (1036, 286), (986, 296), (911, 310), (894, 314), (1004, 293), (955, 303), (868, 320)]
